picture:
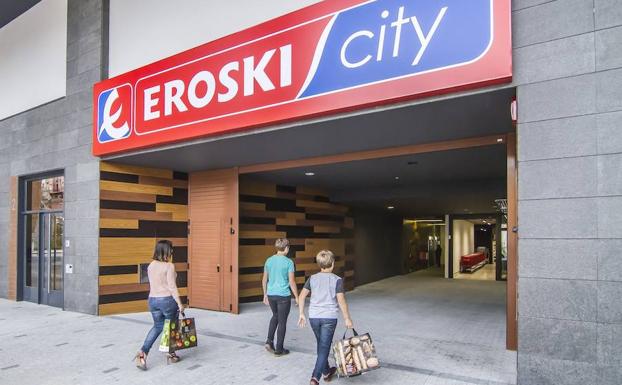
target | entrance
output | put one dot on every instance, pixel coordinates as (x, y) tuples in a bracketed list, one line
[(43, 236), (439, 183)]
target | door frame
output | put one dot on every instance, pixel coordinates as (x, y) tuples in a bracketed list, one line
[(22, 194), (450, 230), (508, 140)]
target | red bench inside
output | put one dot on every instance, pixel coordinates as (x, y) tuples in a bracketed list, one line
[(470, 260)]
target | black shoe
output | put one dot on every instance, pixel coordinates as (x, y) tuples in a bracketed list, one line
[(269, 347), (331, 373), (281, 353)]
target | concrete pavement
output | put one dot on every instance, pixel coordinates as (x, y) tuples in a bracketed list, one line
[(427, 331)]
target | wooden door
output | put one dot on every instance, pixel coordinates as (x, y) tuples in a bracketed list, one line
[(213, 240)]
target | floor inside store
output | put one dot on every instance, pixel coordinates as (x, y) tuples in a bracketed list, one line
[(485, 273)]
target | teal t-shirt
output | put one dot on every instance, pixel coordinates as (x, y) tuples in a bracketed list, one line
[(278, 268)]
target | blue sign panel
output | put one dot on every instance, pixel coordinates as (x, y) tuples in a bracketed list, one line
[(388, 39)]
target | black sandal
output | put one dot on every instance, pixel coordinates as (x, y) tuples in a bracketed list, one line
[(172, 358), (331, 372)]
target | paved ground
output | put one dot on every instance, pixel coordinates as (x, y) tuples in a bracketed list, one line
[(428, 331)]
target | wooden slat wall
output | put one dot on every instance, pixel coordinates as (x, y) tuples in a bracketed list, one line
[(138, 207), (306, 217)]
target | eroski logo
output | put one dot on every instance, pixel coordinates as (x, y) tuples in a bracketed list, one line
[(114, 109)]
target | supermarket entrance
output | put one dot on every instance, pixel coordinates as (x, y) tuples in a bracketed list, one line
[(440, 208)]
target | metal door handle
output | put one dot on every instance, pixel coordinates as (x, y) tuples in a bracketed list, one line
[(218, 268)]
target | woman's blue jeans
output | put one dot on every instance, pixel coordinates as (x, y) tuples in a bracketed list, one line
[(161, 308), (324, 330)]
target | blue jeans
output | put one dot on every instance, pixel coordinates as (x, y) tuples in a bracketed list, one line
[(324, 330), (161, 308)]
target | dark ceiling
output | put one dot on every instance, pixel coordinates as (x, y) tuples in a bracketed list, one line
[(10, 9), (432, 184), (413, 170), (455, 118)]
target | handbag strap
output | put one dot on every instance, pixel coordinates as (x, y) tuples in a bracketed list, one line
[(346, 332)]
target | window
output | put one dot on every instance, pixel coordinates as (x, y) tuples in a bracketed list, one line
[(45, 194), (144, 277)]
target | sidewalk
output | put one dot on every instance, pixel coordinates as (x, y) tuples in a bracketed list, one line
[(422, 338)]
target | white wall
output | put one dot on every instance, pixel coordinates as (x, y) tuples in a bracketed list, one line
[(33, 58), (463, 240), (144, 31)]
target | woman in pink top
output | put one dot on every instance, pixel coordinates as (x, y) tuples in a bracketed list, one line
[(164, 301)]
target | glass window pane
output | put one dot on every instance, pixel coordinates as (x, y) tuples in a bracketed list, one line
[(56, 252), (45, 194), (144, 273), (32, 250)]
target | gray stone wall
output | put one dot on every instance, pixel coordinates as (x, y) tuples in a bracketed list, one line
[(58, 136), (568, 72)]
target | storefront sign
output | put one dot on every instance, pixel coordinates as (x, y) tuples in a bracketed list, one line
[(329, 57)]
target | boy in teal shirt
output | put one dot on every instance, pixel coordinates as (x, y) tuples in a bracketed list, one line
[(279, 282)]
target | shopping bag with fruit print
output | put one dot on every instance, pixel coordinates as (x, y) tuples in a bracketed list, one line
[(178, 335)]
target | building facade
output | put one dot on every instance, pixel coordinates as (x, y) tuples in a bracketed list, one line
[(566, 75)]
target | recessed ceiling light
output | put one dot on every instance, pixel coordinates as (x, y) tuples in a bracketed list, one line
[(397, 178), (309, 173), (390, 207)]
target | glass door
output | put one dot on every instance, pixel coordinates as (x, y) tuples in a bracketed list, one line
[(43, 229), (31, 257), (51, 268)]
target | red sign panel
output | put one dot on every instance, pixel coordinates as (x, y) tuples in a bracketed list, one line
[(329, 57)]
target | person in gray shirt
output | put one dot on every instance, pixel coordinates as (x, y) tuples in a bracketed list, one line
[(327, 298)]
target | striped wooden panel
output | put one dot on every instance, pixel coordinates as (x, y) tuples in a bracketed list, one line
[(305, 216), (258, 188), (118, 279), (126, 196), (135, 214), (135, 188), (123, 307), (179, 212), (135, 170), (106, 223), (252, 206), (138, 207)]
